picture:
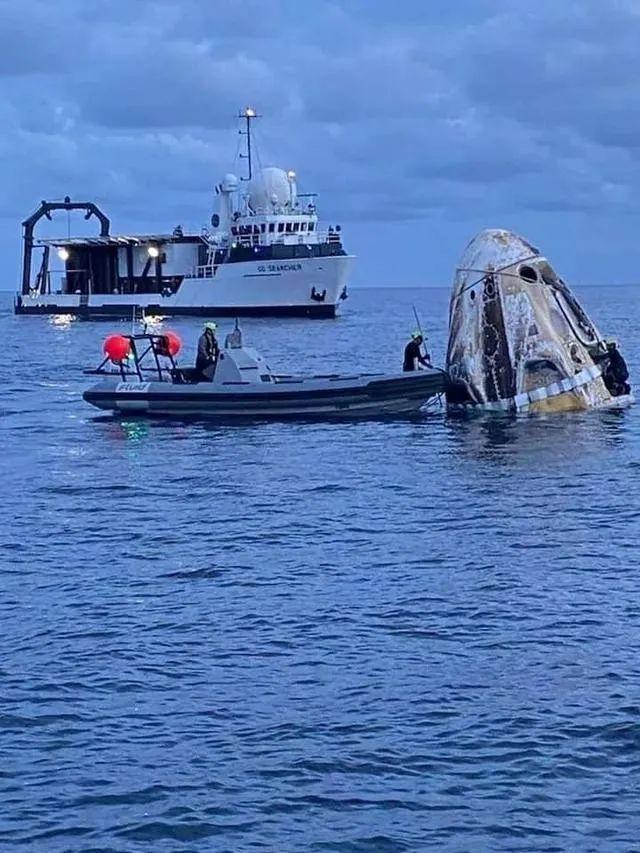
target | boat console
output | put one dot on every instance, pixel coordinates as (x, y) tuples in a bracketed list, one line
[(150, 357)]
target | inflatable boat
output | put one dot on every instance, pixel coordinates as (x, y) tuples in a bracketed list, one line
[(139, 375)]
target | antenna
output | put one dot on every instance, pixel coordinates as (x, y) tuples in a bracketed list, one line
[(248, 115)]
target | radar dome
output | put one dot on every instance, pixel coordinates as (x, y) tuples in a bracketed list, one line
[(229, 183), (269, 188)]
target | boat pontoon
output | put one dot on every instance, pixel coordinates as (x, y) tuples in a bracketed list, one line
[(139, 374)]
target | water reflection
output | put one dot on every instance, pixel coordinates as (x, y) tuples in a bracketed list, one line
[(62, 320), (133, 430), (515, 439)]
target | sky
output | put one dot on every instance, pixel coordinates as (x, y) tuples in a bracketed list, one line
[(418, 123)]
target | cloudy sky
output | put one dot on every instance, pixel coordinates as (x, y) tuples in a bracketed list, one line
[(418, 123)]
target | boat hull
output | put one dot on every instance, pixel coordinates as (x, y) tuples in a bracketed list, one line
[(343, 397), (123, 311), (308, 287)]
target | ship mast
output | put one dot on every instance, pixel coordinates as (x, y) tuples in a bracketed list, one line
[(248, 115)]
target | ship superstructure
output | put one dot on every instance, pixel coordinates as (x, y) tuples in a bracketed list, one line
[(264, 253)]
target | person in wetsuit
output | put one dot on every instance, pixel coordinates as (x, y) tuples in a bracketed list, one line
[(208, 352), (413, 358), (615, 371)]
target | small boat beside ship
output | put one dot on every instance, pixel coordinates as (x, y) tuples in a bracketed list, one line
[(139, 375), (264, 253)]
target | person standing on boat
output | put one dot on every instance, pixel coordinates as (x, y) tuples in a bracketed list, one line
[(208, 352), (413, 358)]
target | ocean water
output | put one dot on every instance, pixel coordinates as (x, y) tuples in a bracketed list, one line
[(378, 636)]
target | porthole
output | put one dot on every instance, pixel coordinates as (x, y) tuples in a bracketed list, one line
[(528, 274)]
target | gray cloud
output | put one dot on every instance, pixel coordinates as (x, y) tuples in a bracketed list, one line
[(571, 65), (421, 112)]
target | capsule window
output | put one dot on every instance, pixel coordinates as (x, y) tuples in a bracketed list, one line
[(528, 274)]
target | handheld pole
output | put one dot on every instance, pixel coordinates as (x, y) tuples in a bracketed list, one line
[(427, 354)]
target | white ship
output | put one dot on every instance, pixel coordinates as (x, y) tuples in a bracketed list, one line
[(265, 254)]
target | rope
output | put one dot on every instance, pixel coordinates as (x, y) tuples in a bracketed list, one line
[(542, 282), (485, 273)]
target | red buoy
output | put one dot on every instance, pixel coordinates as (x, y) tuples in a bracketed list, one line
[(116, 347), (174, 344)]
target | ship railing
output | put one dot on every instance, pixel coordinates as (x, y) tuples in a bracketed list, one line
[(288, 239), (201, 271)]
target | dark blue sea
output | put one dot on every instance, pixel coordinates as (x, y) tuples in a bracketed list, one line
[(378, 636)]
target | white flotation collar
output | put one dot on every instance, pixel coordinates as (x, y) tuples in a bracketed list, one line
[(521, 402)]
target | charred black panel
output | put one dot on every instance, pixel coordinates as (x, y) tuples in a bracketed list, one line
[(496, 360), (453, 351)]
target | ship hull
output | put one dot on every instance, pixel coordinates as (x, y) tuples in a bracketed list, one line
[(120, 310), (309, 287)]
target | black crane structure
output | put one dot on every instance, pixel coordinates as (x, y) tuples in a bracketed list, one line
[(45, 210)]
